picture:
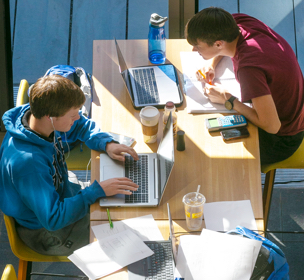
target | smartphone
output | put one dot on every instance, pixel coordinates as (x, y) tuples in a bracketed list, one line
[(235, 133), (227, 122), (123, 139)]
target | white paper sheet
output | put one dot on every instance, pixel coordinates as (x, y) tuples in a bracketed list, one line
[(110, 254), (197, 102), (144, 227), (227, 215), (216, 256)]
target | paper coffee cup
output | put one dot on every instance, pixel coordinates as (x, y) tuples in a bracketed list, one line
[(149, 117)]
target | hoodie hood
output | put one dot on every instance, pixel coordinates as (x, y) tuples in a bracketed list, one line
[(12, 120)]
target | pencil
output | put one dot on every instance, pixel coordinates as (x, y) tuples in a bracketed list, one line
[(110, 221), (203, 75)]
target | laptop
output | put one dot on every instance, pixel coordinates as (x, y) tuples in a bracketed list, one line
[(161, 264), (150, 85), (151, 173)]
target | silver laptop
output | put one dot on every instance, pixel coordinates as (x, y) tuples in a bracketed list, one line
[(151, 172), (161, 264), (150, 85)]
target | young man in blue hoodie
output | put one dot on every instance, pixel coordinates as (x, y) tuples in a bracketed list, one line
[(52, 213)]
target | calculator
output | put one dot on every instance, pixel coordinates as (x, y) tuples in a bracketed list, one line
[(227, 122)]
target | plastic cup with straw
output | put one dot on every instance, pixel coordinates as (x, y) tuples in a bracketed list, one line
[(194, 208)]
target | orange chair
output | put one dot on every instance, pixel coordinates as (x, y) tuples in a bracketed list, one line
[(24, 253)]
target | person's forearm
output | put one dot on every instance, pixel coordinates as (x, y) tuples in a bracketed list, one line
[(251, 115)]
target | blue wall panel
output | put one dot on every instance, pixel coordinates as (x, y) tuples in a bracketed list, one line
[(95, 20), (230, 6), (12, 18), (139, 16), (41, 37), (299, 21)]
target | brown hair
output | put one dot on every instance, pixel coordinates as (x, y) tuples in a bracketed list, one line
[(54, 96), (210, 25)]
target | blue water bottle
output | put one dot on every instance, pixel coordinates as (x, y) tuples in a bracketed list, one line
[(157, 39)]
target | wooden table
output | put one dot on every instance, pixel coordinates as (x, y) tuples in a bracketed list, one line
[(225, 171)]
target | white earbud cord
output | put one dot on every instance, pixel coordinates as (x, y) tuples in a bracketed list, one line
[(55, 146), (87, 183)]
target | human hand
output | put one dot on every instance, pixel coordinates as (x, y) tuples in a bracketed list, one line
[(115, 151), (121, 185), (216, 93), (206, 74)]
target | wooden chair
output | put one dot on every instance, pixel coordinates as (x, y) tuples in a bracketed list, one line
[(296, 161), (9, 273), (25, 255), (79, 156)]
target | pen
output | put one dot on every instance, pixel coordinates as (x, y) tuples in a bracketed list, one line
[(202, 74), (110, 221)]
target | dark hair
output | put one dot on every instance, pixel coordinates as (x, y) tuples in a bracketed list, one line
[(54, 96), (210, 25)]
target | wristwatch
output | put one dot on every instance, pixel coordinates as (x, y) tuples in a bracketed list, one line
[(229, 103)]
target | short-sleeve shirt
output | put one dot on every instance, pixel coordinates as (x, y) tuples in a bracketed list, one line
[(264, 63)]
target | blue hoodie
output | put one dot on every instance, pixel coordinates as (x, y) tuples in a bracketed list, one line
[(34, 185)]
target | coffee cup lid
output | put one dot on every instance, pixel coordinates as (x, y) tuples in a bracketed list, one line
[(149, 113)]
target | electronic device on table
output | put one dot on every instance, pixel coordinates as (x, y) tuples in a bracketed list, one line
[(235, 133), (151, 173), (123, 139), (161, 264), (225, 122), (150, 85)]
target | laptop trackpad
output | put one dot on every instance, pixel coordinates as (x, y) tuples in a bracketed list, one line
[(108, 172), (112, 171)]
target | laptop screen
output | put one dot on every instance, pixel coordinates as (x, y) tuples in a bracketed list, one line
[(165, 155), (172, 233)]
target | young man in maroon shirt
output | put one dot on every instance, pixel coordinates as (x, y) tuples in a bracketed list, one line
[(267, 70)]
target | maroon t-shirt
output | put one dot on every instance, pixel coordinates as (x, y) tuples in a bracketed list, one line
[(264, 63)]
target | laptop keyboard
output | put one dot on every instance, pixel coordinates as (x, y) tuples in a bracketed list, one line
[(160, 265), (146, 86), (137, 171)]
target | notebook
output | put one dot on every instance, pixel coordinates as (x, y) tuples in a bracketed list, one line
[(150, 85), (151, 173), (161, 264)]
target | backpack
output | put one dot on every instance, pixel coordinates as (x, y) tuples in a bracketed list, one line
[(271, 263), (79, 76)]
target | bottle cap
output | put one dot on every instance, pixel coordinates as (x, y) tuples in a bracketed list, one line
[(158, 20), (170, 105), (180, 140)]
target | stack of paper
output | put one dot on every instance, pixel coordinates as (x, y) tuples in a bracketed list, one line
[(116, 248), (227, 215), (144, 227), (216, 256), (197, 102)]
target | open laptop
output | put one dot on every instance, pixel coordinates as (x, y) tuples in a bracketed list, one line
[(150, 85), (151, 173), (161, 264)]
